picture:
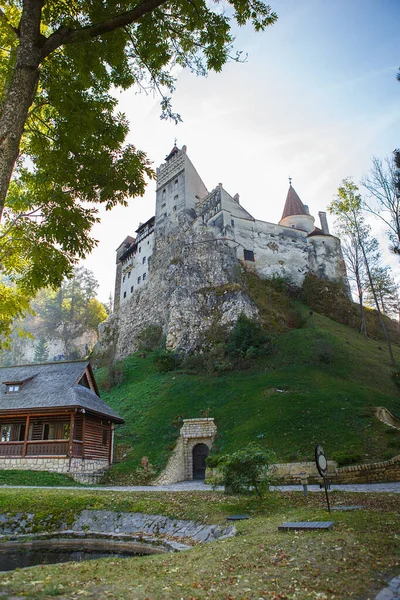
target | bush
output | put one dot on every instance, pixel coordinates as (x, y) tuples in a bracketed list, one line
[(245, 471), (346, 458), (247, 336), (150, 338), (165, 360)]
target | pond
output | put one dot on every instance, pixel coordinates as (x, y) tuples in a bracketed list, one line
[(17, 555)]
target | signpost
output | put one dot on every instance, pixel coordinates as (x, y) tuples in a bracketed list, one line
[(322, 466)]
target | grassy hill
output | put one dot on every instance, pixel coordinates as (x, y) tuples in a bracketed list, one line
[(321, 384)]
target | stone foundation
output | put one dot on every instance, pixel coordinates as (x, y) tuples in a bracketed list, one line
[(55, 465), (180, 464)]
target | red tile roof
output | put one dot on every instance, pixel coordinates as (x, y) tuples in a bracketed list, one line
[(293, 204)]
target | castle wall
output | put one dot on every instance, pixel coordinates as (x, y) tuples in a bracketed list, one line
[(135, 271)]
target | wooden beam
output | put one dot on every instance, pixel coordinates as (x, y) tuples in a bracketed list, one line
[(83, 435), (26, 435), (71, 436)]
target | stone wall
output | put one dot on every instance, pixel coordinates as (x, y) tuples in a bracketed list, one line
[(180, 464), (56, 465), (380, 472)]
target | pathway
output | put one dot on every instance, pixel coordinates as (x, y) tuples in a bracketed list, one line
[(199, 486)]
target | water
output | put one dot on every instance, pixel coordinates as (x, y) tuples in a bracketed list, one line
[(19, 559)]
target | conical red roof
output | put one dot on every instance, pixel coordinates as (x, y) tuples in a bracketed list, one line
[(293, 204)]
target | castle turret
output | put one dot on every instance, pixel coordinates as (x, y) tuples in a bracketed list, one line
[(179, 189), (296, 214)]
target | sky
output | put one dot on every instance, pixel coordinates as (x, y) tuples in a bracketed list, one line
[(316, 99)]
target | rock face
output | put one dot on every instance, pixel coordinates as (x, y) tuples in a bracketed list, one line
[(193, 288)]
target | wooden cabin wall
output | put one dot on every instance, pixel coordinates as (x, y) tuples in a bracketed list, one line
[(95, 428)]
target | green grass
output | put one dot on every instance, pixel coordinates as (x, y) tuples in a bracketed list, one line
[(353, 560), (42, 478), (320, 385)]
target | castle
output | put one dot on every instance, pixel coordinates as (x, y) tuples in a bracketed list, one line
[(290, 249)]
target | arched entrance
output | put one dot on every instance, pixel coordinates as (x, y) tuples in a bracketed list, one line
[(200, 453)]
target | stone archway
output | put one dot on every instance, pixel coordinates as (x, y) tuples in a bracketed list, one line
[(200, 453)]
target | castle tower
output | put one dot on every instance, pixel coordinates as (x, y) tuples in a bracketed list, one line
[(295, 213), (179, 189)]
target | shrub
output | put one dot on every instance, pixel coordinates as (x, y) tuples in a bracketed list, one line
[(150, 338), (247, 470), (296, 320), (248, 334), (346, 458), (165, 360), (396, 378)]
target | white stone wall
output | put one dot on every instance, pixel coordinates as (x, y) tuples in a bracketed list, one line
[(135, 271), (57, 465)]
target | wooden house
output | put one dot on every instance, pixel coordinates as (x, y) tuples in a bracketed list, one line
[(52, 418)]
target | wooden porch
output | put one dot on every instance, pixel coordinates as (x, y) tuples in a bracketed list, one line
[(74, 435)]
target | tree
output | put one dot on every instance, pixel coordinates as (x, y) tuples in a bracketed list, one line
[(41, 351), (382, 184), (386, 288), (347, 206), (62, 141)]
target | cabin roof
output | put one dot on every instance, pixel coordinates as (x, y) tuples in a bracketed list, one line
[(52, 385)]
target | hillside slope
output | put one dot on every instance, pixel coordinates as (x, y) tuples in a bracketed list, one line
[(321, 384)]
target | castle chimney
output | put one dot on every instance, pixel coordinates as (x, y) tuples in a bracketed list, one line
[(236, 198), (324, 222)]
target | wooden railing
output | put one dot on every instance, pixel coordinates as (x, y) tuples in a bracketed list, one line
[(35, 448), (47, 448), (11, 448)]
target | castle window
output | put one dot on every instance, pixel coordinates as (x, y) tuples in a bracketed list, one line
[(144, 260), (176, 198), (176, 184), (164, 194), (248, 255), (138, 279), (131, 289), (123, 279), (144, 276), (129, 274), (163, 205), (124, 294), (140, 249), (232, 222), (174, 209)]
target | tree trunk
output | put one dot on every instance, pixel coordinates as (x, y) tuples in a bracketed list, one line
[(21, 92)]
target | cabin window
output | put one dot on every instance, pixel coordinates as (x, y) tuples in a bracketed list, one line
[(105, 437), (57, 430), (11, 389), (12, 432), (248, 255)]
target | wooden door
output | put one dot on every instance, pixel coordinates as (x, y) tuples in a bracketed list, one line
[(200, 453)]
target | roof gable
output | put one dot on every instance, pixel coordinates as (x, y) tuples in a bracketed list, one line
[(53, 385)]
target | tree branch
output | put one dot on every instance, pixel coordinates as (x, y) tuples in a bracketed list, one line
[(64, 35), (5, 19)]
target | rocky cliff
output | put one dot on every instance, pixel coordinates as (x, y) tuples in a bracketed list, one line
[(194, 287)]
